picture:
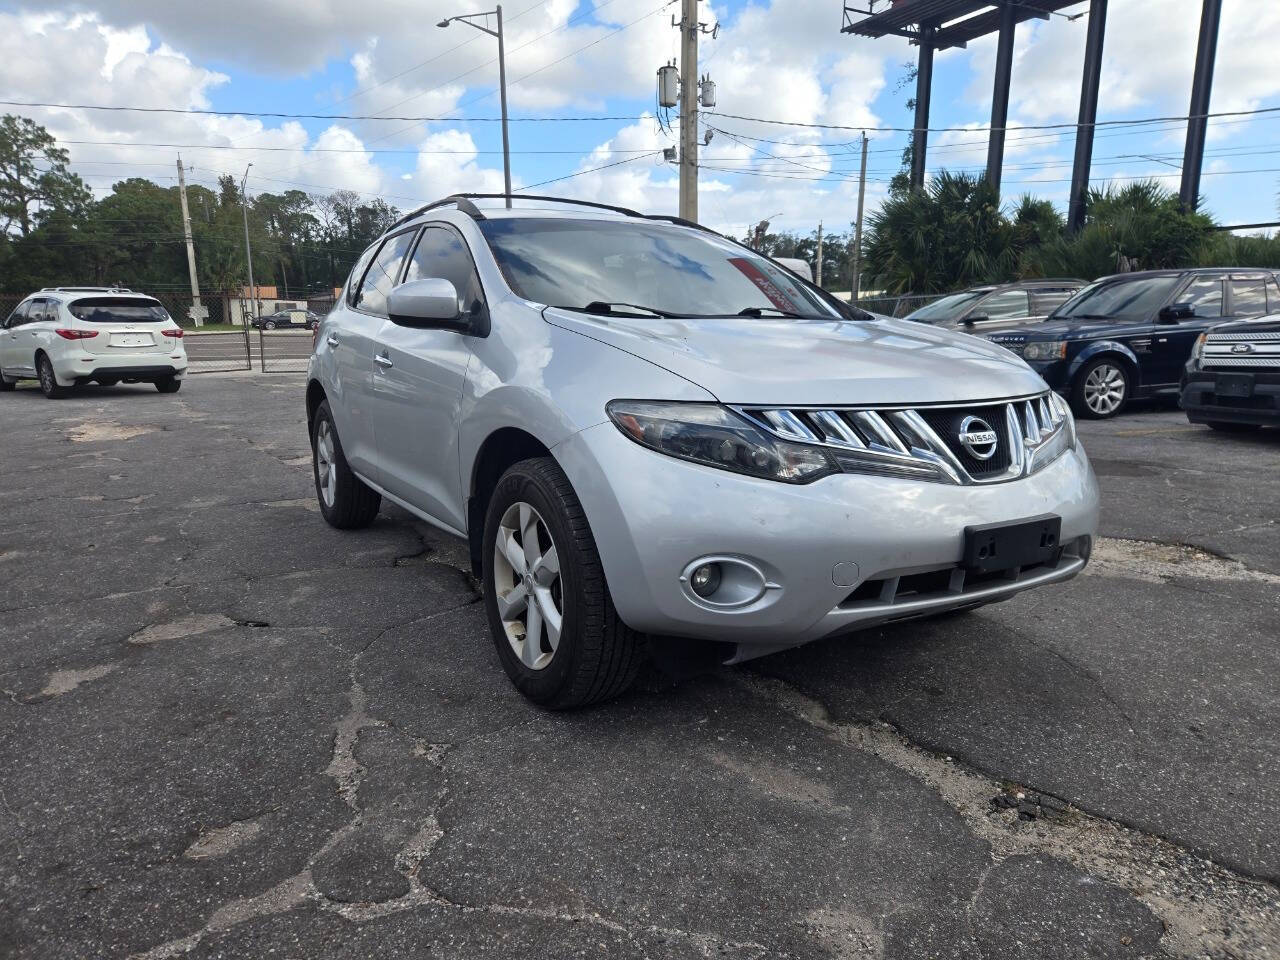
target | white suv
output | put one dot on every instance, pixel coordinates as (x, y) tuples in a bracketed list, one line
[(65, 336), (647, 431)]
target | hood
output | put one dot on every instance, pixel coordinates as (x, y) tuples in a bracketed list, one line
[(1269, 324), (800, 362), (1051, 329)]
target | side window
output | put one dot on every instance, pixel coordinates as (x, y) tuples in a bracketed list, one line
[(1004, 305), (18, 317), (381, 275), (1205, 296), (442, 253), (357, 271), (1248, 298), (1044, 302)]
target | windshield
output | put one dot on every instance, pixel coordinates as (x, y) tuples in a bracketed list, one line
[(948, 308), (647, 267), (118, 310), (1135, 299)]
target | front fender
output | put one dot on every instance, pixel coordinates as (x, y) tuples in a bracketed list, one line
[(1098, 347)]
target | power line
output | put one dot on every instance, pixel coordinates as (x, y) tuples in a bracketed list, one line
[(307, 150), (605, 166)]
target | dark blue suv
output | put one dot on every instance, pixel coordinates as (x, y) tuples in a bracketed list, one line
[(1130, 335)]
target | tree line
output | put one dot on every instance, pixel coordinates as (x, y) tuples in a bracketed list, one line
[(57, 233)]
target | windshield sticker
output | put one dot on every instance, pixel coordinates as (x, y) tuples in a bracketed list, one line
[(770, 289)]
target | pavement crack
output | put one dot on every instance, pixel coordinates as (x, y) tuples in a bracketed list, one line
[(1205, 907)]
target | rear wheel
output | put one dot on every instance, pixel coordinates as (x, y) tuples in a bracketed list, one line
[(48, 382), (346, 502), (1225, 427), (108, 381), (6, 384), (553, 622), (169, 385), (269, 325), (1101, 390)]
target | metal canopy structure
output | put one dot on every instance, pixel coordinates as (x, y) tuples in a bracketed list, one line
[(940, 24)]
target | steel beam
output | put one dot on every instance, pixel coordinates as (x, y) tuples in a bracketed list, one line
[(1088, 114), (1000, 94), (1197, 123), (924, 84)]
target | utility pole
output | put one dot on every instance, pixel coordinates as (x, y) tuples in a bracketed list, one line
[(198, 312), (689, 110), (818, 269), (857, 229), (470, 20), (248, 252)]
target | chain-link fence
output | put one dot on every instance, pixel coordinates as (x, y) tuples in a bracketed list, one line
[(897, 306)]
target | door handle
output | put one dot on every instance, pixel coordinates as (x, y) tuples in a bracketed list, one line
[(383, 361), (332, 341)]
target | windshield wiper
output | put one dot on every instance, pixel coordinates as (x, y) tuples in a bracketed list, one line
[(759, 312), (620, 309)]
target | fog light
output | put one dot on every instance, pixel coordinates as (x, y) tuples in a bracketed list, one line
[(705, 580)]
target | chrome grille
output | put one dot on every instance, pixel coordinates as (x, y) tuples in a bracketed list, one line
[(1263, 349), (924, 442)]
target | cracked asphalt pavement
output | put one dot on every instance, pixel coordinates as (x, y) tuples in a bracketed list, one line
[(230, 731)]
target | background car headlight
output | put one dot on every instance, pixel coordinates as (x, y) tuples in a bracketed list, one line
[(1045, 350), (1197, 351), (709, 434)]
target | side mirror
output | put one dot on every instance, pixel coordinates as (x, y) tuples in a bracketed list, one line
[(1176, 312), (430, 304), (973, 318)]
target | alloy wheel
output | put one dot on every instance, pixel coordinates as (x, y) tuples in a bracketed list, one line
[(527, 585), (326, 472), (1104, 389), (47, 380)]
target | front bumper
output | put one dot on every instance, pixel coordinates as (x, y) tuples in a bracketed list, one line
[(1204, 403), (843, 553)]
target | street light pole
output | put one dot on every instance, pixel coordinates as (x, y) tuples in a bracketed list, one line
[(248, 252), (469, 20)]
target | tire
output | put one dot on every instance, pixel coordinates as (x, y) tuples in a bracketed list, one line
[(269, 325), (108, 382), (1226, 427), (169, 385), (346, 502), (6, 384), (595, 656), (48, 382), (1102, 389)]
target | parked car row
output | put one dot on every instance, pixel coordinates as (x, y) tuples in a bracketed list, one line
[(286, 319), (1133, 335)]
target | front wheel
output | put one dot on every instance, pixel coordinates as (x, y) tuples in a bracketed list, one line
[(48, 382), (269, 325), (553, 622), (1101, 390), (169, 385)]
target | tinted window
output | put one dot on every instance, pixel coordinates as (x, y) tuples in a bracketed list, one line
[(1127, 300), (945, 309), (442, 254), (1248, 298), (117, 310), (572, 263), (353, 281), (1004, 305), (36, 311), (1043, 303), (1205, 296), (381, 275), (18, 316)]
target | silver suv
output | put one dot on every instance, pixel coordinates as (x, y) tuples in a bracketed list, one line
[(647, 431)]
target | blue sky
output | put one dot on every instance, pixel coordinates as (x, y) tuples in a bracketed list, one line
[(783, 60)]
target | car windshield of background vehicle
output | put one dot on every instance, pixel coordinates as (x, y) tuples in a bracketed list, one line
[(669, 270), (944, 309), (118, 310), (1124, 300)]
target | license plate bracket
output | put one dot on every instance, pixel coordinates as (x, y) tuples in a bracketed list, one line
[(1234, 385), (1001, 546)]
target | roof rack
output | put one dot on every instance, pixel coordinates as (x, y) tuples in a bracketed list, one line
[(85, 290), (464, 203)]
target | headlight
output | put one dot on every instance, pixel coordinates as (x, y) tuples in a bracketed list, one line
[(1045, 350), (1197, 352), (709, 434)]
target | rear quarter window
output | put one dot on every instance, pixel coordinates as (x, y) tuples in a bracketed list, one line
[(118, 310)]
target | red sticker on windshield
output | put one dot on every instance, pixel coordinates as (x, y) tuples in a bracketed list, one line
[(770, 289)]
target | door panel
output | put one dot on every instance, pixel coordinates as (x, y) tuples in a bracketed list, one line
[(9, 339), (1172, 342), (418, 387)]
